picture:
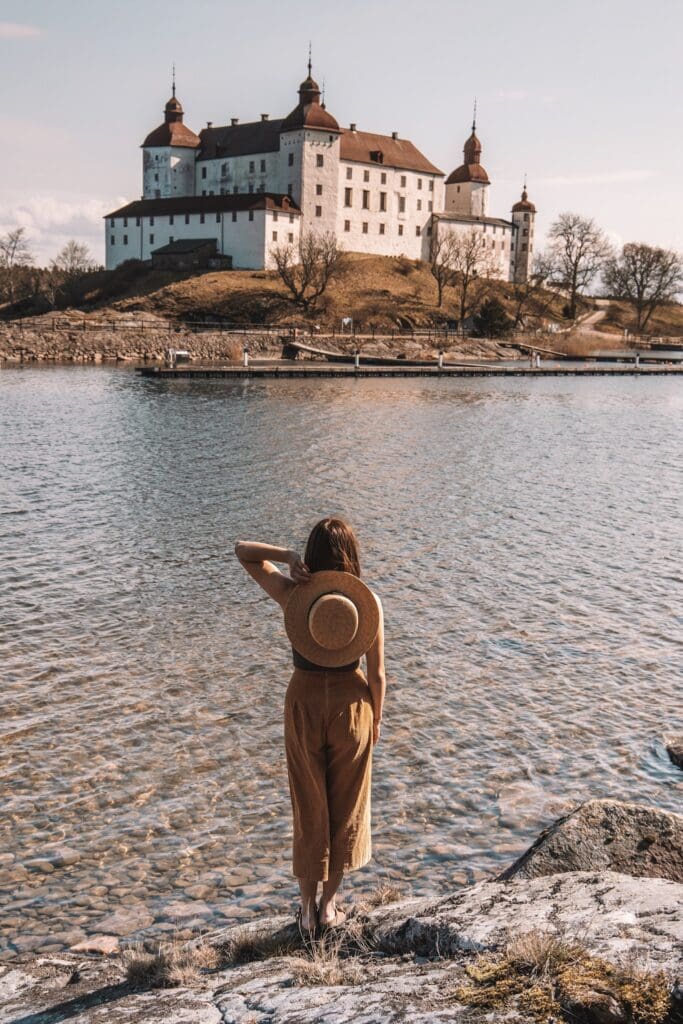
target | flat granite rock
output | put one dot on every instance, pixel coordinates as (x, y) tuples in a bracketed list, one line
[(418, 952), (607, 835)]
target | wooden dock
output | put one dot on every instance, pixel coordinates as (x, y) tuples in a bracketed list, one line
[(282, 371)]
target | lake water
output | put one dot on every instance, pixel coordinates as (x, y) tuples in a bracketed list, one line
[(524, 535)]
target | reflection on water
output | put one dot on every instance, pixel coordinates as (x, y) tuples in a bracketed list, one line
[(525, 536)]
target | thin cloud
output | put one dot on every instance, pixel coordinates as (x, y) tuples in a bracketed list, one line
[(512, 95), (597, 178), (51, 221), (15, 30)]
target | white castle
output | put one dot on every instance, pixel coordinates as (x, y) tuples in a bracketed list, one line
[(239, 190)]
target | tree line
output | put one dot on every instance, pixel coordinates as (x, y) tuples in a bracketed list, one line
[(20, 278)]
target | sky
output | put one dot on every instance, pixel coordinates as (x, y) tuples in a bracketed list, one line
[(584, 96)]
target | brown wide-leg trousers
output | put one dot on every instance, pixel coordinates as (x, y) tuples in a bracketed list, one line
[(328, 740)]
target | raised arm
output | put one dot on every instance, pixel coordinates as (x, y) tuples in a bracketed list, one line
[(376, 675), (258, 560)]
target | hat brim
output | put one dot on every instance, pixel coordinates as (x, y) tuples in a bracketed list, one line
[(305, 594)]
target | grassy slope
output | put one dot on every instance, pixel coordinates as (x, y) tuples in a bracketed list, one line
[(378, 291)]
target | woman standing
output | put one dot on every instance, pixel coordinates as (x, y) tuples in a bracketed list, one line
[(333, 713)]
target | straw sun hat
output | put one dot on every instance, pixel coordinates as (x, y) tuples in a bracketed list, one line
[(332, 619)]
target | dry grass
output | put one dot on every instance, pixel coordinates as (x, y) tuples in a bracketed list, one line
[(380, 896), (331, 960), (550, 978), (170, 965), (248, 944), (667, 321)]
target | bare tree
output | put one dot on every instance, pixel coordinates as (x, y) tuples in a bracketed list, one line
[(442, 257), (473, 266), (73, 261), (645, 275), (15, 254), (307, 270), (578, 249), (529, 295)]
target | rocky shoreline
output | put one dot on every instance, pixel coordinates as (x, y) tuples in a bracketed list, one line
[(586, 926), (89, 339)]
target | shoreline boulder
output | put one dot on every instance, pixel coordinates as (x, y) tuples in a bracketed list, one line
[(607, 835)]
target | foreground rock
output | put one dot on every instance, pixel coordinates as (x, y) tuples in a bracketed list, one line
[(403, 961), (607, 835)]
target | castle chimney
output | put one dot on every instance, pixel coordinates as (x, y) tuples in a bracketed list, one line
[(264, 117), (209, 124), (394, 136), (234, 121), (352, 126)]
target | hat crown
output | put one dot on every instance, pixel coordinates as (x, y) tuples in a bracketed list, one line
[(333, 621)]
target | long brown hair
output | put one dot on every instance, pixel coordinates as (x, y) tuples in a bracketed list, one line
[(332, 544)]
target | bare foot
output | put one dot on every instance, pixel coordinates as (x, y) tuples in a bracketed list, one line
[(331, 916), (308, 917)]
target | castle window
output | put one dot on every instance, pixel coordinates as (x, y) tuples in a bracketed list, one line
[(263, 165), (319, 160), (524, 247), (290, 189), (290, 237), (251, 215), (318, 190), (381, 229), (290, 159), (349, 173), (526, 216), (274, 215), (348, 195), (458, 188), (419, 184), (234, 216), (125, 222), (201, 218), (431, 184), (366, 199), (151, 222), (170, 238), (203, 172), (365, 227), (347, 226), (252, 166), (251, 186), (112, 238), (494, 229), (235, 189), (366, 175), (156, 177), (318, 211), (401, 204), (430, 206), (525, 231), (170, 218), (275, 236), (383, 177), (187, 218), (419, 204), (418, 230), (429, 230), (151, 239), (137, 222), (400, 229), (218, 218), (383, 201), (112, 223), (403, 181), (224, 168), (125, 239)]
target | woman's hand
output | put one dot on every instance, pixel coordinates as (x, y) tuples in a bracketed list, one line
[(376, 730), (298, 569)]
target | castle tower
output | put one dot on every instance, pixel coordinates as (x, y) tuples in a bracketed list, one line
[(467, 186), (309, 154), (523, 218), (168, 155)]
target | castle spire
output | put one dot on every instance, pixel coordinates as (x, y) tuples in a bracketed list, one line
[(310, 62), (173, 79), (474, 116)]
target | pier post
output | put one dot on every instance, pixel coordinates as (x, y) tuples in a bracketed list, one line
[(441, 359), (245, 356), (356, 358)]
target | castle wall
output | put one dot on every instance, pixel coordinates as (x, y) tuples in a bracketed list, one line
[(167, 171), (497, 241), (468, 197), (524, 245)]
